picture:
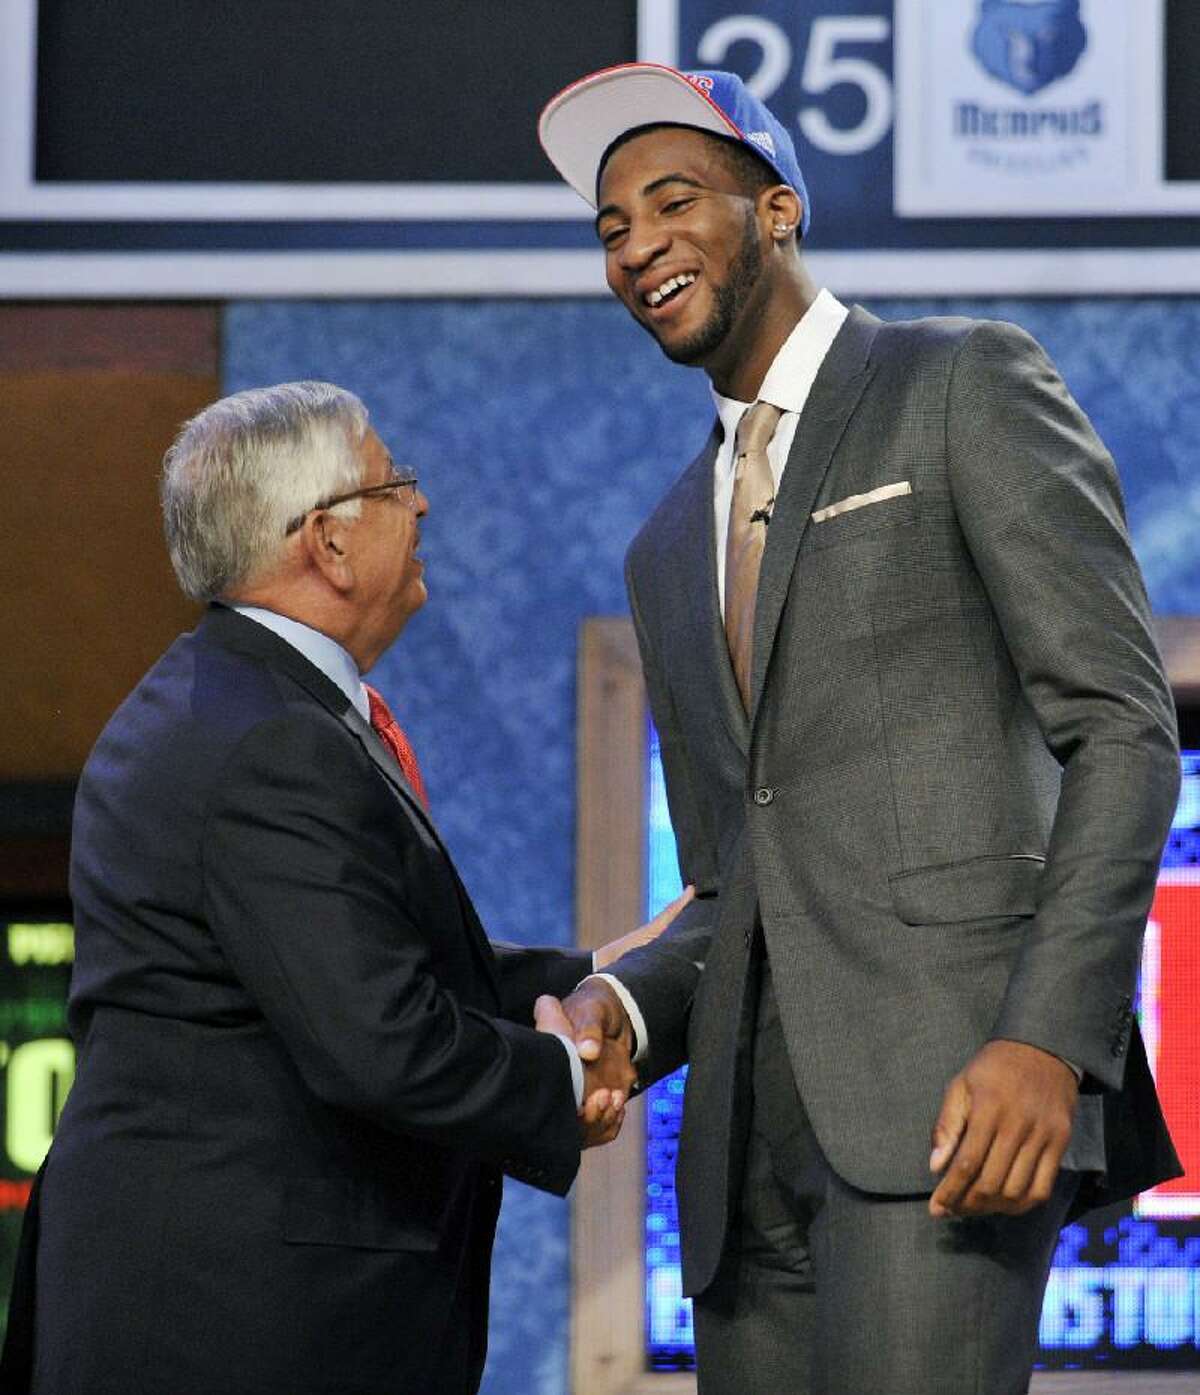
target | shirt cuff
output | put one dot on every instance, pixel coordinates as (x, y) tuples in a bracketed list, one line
[(641, 1036), (576, 1067)]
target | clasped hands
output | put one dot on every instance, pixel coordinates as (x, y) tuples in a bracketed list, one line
[(594, 1018)]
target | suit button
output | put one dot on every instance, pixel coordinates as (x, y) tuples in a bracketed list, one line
[(763, 795)]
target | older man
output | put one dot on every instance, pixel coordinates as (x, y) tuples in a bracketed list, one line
[(301, 1066), (921, 761)]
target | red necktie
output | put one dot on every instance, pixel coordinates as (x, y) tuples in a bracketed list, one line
[(391, 733)]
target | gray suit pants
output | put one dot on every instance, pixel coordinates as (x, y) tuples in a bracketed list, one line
[(826, 1290)]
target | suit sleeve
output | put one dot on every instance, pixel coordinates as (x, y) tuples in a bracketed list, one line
[(1038, 501), (527, 972), (663, 975), (317, 890)]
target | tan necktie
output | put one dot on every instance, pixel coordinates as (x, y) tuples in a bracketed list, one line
[(753, 497)]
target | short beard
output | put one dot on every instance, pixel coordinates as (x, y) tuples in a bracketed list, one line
[(730, 300)]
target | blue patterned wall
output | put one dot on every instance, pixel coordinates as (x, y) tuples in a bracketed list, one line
[(543, 433)]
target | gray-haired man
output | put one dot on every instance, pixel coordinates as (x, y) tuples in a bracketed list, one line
[(303, 1068)]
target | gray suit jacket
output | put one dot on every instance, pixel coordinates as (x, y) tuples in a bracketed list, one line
[(948, 803)]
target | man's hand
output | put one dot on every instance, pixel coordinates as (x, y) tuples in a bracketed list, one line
[(609, 953), (607, 1067), (599, 1024), (603, 1110), (1004, 1125), (601, 1117)]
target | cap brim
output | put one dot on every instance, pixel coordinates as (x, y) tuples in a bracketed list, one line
[(582, 121)]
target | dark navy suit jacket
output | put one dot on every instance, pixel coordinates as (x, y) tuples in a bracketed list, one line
[(302, 1066)]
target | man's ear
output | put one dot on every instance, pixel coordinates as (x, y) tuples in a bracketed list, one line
[(781, 207), (326, 540)]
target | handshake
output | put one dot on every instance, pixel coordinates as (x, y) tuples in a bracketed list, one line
[(594, 1018)]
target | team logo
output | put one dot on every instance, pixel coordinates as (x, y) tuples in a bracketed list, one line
[(1029, 44), (700, 80)]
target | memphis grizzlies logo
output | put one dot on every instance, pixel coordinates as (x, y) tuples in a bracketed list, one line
[(1029, 44)]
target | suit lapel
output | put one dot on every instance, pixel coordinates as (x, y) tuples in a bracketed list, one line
[(237, 632), (247, 636), (835, 394), (700, 579), (387, 764)]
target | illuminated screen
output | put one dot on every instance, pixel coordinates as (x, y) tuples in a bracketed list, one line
[(37, 1061), (1125, 1287)]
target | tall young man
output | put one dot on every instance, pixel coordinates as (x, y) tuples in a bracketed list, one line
[(921, 761)]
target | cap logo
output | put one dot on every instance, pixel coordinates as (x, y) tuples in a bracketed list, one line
[(763, 140), (705, 84)]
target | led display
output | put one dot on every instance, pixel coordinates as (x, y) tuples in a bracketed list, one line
[(37, 1060)]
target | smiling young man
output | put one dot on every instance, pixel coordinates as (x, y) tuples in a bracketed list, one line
[(921, 761), (303, 1068), (710, 287)]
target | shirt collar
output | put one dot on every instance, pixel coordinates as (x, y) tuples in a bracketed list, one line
[(794, 369), (322, 652)]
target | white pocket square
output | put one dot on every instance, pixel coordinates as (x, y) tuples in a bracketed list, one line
[(859, 501)]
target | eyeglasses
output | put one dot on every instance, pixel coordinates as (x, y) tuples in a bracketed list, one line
[(397, 484)]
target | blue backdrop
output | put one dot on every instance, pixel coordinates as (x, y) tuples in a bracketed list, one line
[(543, 432)]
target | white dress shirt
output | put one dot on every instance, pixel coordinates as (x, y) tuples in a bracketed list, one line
[(788, 382), (335, 663), (322, 652)]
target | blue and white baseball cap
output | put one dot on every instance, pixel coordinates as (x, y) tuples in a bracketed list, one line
[(579, 124)]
